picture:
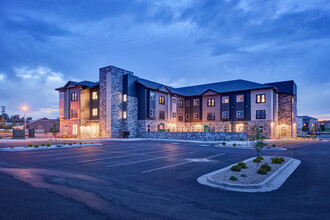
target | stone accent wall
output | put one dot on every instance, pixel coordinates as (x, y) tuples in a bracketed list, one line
[(111, 103), (268, 128), (131, 123), (285, 115), (201, 136), (69, 123)]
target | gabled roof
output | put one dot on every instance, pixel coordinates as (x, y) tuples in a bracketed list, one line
[(223, 87), (85, 84), (157, 86), (44, 119)]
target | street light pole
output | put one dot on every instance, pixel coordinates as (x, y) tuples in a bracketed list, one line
[(24, 108)]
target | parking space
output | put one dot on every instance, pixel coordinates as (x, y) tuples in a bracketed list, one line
[(132, 177)]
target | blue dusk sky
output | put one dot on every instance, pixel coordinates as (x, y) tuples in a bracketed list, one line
[(43, 44)]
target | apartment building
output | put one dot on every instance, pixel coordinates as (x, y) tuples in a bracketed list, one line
[(125, 102)]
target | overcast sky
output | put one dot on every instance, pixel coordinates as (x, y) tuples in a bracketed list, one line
[(43, 44)]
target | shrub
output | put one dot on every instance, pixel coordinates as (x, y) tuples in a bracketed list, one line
[(273, 145), (30, 145), (70, 143), (235, 168), (64, 143), (80, 143), (233, 178), (48, 145), (36, 146), (223, 143), (43, 145), (277, 160), (243, 175), (74, 142), (262, 171), (242, 165), (234, 144), (265, 166)]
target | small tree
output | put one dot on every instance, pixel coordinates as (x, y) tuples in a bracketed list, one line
[(55, 131), (258, 140)]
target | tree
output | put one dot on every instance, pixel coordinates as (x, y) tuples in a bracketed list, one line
[(258, 140), (55, 131)]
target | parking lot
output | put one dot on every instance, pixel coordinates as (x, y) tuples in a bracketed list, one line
[(154, 180)]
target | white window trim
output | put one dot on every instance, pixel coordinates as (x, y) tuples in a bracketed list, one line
[(239, 96), (196, 114), (224, 98), (196, 101)]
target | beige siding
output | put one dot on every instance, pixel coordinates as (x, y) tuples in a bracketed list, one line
[(215, 109), (268, 106), (84, 105)]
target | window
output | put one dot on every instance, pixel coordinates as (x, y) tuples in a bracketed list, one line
[(161, 115), (94, 96), (74, 96), (187, 116), (210, 102), (240, 114), (94, 113), (211, 116), (240, 98), (74, 129), (174, 115), (180, 116), (196, 116), (261, 114), (225, 114), (61, 95), (125, 98), (152, 112), (174, 100), (65, 129), (187, 103), (124, 114), (40, 127), (162, 100), (196, 102), (180, 104), (261, 98), (74, 113), (261, 128), (152, 96), (225, 99)]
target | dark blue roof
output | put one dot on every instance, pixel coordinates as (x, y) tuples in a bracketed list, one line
[(223, 87), (157, 86), (87, 84)]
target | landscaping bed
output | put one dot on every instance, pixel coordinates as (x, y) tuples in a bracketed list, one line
[(250, 174), (246, 176), (48, 146)]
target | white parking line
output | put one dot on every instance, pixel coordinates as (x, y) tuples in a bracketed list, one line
[(156, 158), (126, 155), (179, 164), (105, 153)]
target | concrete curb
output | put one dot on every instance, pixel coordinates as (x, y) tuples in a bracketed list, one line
[(250, 148), (273, 182), (16, 149)]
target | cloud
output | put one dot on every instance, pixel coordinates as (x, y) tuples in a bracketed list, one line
[(2, 76)]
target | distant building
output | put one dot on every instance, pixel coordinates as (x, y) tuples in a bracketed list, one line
[(323, 125), (121, 101), (42, 124), (306, 123)]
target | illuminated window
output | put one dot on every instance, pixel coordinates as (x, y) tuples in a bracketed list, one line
[(74, 96), (125, 97), (180, 104), (196, 102), (240, 114), (124, 114), (74, 129), (94, 96), (210, 103), (94, 112), (239, 98), (225, 114), (187, 103), (261, 98), (225, 99), (162, 100)]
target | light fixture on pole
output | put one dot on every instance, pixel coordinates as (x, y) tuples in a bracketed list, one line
[(24, 109)]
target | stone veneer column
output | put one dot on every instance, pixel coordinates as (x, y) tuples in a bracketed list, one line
[(285, 115), (111, 101)]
